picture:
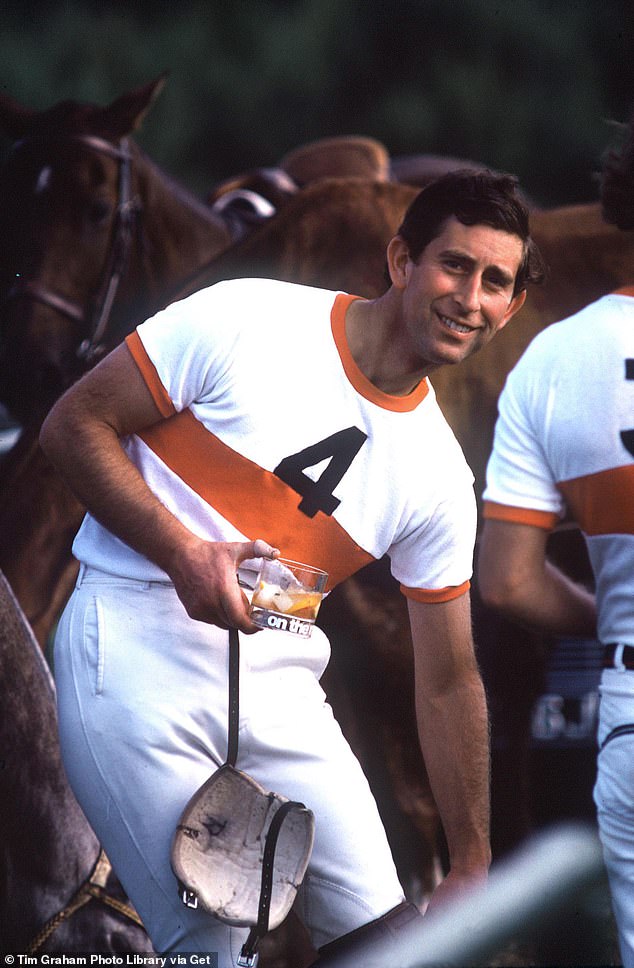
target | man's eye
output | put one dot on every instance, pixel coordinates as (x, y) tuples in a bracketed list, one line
[(495, 282)]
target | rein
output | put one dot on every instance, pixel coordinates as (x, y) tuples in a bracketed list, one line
[(93, 887), (125, 218)]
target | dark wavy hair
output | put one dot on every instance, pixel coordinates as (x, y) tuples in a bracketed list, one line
[(474, 197)]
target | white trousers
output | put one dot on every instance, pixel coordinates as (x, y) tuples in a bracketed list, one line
[(614, 799), (142, 699)]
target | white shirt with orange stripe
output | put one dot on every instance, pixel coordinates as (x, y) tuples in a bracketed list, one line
[(272, 431), (564, 440)]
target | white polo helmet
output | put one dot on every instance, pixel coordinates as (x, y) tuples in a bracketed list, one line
[(240, 852)]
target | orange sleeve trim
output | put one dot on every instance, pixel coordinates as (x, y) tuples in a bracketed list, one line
[(357, 378), (255, 501), (537, 519), (602, 503), (625, 291), (431, 595), (149, 374)]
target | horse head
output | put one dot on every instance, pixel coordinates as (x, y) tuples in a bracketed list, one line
[(91, 232), (68, 213)]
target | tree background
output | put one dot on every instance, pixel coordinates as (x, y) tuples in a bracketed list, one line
[(528, 86)]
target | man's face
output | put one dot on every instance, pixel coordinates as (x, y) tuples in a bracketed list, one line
[(460, 292)]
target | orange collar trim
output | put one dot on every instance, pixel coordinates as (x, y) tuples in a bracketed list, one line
[(357, 378)]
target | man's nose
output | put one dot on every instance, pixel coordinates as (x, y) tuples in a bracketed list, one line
[(468, 294)]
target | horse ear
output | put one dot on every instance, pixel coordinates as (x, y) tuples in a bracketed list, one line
[(15, 119), (126, 114)]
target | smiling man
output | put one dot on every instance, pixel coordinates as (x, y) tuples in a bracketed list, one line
[(444, 304), (261, 409)]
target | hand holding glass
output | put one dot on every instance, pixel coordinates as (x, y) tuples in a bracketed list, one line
[(287, 596)]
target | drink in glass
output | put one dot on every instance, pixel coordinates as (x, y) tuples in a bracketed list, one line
[(287, 596)]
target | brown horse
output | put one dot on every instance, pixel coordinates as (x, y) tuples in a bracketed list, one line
[(54, 897), (91, 234)]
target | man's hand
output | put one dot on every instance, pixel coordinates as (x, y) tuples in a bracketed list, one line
[(453, 889), (206, 581)]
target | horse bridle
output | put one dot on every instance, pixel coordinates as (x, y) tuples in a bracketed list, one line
[(125, 217), (94, 887)]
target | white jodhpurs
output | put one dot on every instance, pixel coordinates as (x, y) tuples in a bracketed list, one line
[(614, 799), (142, 697)]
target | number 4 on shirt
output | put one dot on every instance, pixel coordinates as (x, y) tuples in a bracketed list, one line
[(627, 436), (341, 448)]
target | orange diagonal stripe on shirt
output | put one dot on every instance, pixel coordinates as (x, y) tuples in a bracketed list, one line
[(253, 499), (602, 503), (149, 374)]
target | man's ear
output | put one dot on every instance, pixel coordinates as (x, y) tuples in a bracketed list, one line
[(397, 260), (515, 305)]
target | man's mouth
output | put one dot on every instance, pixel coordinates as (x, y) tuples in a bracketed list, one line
[(456, 326)]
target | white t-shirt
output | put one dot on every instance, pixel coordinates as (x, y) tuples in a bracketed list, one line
[(272, 431), (564, 440)]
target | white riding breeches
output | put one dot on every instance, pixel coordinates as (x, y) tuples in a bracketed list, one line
[(614, 799), (142, 698)]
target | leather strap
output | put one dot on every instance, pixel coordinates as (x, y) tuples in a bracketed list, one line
[(247, 954), (94, 887), (626, 729), (234, 697), (610, 655)]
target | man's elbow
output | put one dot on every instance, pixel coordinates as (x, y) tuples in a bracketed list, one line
[(501, 590)]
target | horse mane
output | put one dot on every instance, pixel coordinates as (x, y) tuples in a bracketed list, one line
[(179, 192), (617, 180)]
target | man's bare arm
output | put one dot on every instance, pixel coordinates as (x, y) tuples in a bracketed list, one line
[(515, 577), (454, 736), (81, 436)]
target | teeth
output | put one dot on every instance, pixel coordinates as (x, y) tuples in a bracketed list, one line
[(458, 327)]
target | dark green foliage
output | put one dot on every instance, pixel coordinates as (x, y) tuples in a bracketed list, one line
[(525, 86)]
